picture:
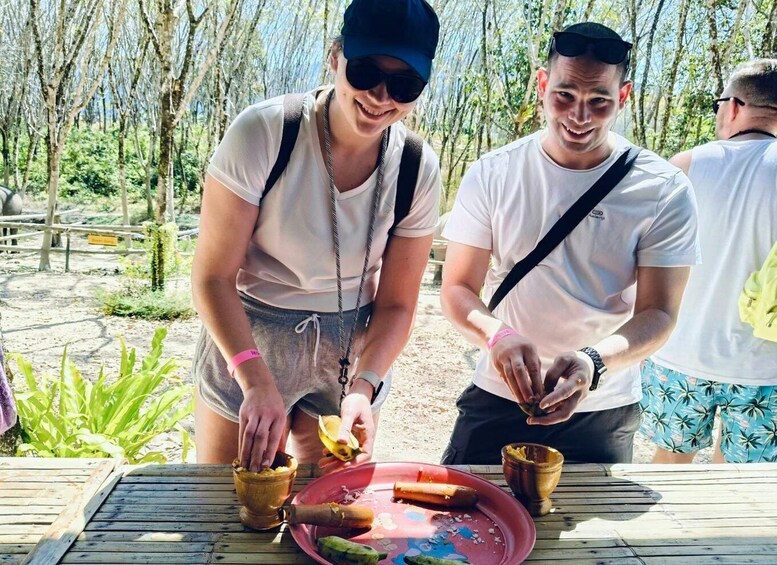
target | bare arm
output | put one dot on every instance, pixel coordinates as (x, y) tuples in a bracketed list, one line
[(659, 292), (463, 276), (391, 324), (514, 356), (404, 262), (226, 225)]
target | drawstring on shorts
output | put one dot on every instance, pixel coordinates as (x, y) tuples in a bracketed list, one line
[(302, 326)]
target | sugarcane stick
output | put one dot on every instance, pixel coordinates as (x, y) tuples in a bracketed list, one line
[(441, 494)]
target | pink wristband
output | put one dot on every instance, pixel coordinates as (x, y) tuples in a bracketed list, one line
[(240, 358), (499, 335)]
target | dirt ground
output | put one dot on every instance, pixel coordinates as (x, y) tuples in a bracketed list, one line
[(44, 312)]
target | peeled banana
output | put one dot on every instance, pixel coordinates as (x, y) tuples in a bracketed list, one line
[(429, 560), (344, 552), (328, 430)]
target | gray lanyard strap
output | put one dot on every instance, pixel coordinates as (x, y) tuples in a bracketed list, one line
[(346, 349)]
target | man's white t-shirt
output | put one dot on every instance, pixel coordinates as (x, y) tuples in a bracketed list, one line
[(584, 290), (736, 187), (290, 261)]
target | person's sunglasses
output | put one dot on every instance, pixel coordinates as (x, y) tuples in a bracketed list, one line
[(364, 74), (717, 101), (570, 44)]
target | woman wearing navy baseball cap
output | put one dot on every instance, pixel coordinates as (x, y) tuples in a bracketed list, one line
[(316, 223)]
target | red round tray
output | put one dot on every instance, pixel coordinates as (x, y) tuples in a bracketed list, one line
[(498, 532)]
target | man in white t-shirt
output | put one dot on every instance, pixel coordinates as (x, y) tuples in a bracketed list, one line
[(613, 286), (713, 361)]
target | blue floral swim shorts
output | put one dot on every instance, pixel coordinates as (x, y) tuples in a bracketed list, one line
[(678, 413)]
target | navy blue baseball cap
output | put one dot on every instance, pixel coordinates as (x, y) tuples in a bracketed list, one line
[(405, 29)]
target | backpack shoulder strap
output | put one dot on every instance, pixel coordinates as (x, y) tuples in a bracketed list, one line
[(292, 117), (409, 167)]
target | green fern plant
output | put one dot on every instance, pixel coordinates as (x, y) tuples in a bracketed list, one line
[(70, 416)]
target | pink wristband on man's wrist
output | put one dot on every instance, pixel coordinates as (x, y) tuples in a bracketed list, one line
[(499, 335), (241, 358)]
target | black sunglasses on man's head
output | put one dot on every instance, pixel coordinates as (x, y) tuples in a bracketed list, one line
[(571, 44), (717, 101), (364, 74)]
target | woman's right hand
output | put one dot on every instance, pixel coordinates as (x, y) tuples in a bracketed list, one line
[(262, 423)]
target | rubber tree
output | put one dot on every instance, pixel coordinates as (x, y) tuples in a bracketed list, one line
[(172, 26), (124, 74), (74, 42)]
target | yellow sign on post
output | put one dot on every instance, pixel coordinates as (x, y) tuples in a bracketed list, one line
[(95, 239)]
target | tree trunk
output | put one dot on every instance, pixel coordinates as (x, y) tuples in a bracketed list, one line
[(717, 67), (166, 133), (631, 10), (769, 47), (325, 46), (16, 143), (734, 34), (485, 121), (152, 141), (589, 8), (663, 130), (642, 138), (122, 154), (6, 159), (54, 157), (178, 149), (32, 149), (104, 109)]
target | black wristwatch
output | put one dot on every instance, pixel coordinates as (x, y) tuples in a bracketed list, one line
[(599, 368)]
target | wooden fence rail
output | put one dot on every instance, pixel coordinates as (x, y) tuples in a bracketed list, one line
[(18, 236), (36, 215), (74, 228)]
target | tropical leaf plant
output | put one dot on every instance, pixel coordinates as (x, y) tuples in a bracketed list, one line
[(70, 416)]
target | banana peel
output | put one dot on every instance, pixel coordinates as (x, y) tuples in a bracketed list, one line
[(328, 430)]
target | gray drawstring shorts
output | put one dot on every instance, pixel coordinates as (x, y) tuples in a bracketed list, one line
[(301, 349)]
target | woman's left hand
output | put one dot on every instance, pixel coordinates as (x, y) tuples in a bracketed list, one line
[(356, 416)]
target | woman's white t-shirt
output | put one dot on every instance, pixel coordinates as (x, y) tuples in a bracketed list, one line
[(290, 261)]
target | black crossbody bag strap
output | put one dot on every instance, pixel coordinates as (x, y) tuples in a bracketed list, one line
[(408, 177), (569, 221)]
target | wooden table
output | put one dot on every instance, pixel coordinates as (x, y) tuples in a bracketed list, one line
[(97, 511)]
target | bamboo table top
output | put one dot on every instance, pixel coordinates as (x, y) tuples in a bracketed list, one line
[(98, 511)]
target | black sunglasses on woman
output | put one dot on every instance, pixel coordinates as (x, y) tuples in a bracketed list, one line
[(364, 74)]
